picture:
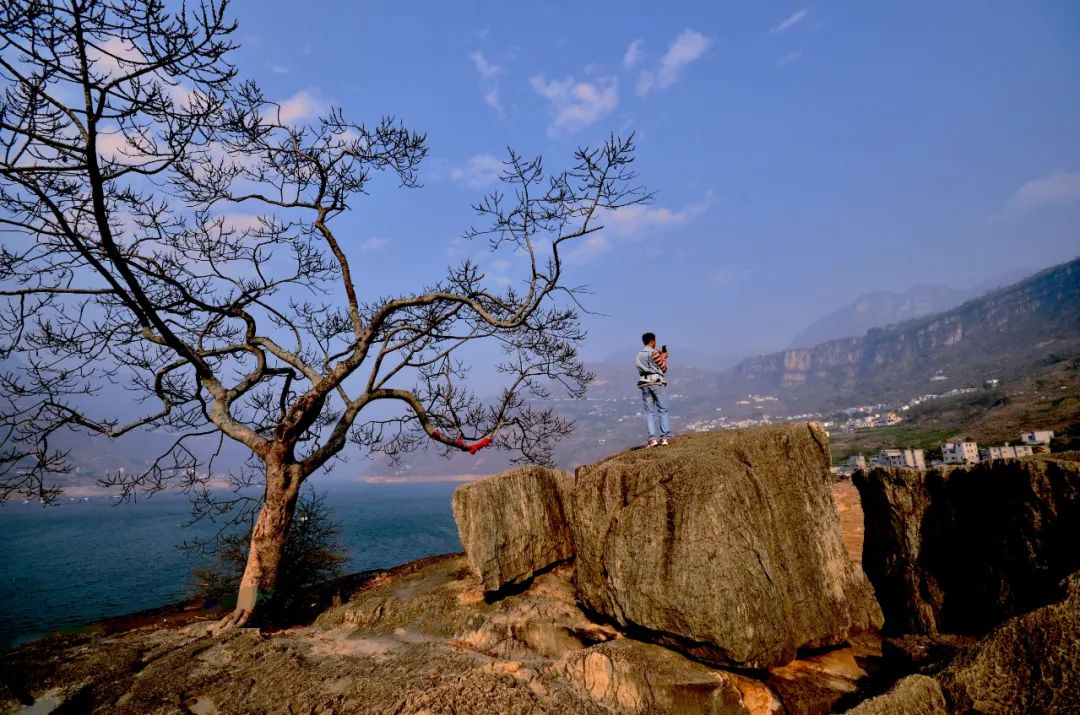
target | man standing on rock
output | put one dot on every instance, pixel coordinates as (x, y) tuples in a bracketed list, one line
[(651, 365)]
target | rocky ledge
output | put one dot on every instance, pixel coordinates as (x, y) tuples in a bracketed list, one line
[(418, 639), (710, 577)]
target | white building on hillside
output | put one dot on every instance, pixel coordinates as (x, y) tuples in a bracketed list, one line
[(1037, 436), (856, 461), (914, 458), (965, 452), (1007, 451), (887, 420)]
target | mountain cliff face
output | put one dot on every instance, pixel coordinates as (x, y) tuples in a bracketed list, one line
[(997, 335), (881, 308)]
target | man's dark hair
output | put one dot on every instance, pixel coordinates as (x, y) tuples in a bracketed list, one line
[(647, 338)]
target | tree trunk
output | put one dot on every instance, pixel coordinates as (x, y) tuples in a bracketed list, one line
[(267, 540)]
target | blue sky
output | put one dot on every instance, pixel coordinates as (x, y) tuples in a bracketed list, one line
[(802, 154)]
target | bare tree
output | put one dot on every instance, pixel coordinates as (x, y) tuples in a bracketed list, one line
[(128, 147), (313, 555)]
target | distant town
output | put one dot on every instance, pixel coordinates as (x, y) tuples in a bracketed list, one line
[(965, 451), (846, 420)]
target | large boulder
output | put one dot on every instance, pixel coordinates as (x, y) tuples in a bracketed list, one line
[(960, 549), (1028, 664), (513, 524), (725, 544)]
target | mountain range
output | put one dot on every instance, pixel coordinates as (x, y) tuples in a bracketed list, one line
[(882, 308), (998, 335)]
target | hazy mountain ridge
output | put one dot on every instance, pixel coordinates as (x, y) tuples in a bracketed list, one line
[(878, 309), (997, 335)]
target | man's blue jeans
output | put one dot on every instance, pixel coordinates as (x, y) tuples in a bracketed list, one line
[(655, 406)]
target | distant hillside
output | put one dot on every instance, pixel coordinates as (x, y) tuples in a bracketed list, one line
[(998, 335), (1046, 398), (882, 308), (879, 308)]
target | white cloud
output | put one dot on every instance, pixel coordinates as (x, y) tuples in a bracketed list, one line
[(633, 223), (633, 54), (789, 58), (637, 221), (795, 18), (686, 49), (116, 56), (487, 70), (498, 271), (277, 69), (1057, 187), (722, 276), (302, 105), (575, 104), (241, 222), (480, 171), (592, 247), (374, 243), (489, 73), (115, 146)]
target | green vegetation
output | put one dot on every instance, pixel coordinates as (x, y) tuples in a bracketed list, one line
[(1047, 398)]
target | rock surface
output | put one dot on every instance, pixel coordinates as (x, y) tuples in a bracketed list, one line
[(894, 502), (812, 685), (513, 524), (1029, 664), (646, 678), (913, 695), (960, 549), (418, 639), (726, 545)]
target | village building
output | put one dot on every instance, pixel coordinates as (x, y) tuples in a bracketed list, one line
[(1037, 437), (914, 458), (963, 452), (887, 420), (1007, 451)]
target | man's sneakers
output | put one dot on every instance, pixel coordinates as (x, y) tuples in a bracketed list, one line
[(664, 442), (653, 443)]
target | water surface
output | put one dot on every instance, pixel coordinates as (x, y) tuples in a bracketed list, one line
[(81, 561)]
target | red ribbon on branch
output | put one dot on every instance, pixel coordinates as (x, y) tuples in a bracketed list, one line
[(459, 442), (479, 445)]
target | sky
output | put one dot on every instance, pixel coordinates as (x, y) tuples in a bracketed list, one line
[(801, 154)]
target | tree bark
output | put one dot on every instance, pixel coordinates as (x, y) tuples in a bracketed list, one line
[(267, 540)]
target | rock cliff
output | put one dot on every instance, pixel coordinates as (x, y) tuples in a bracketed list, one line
[(960, 549), (513, 524), (726, 545)]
